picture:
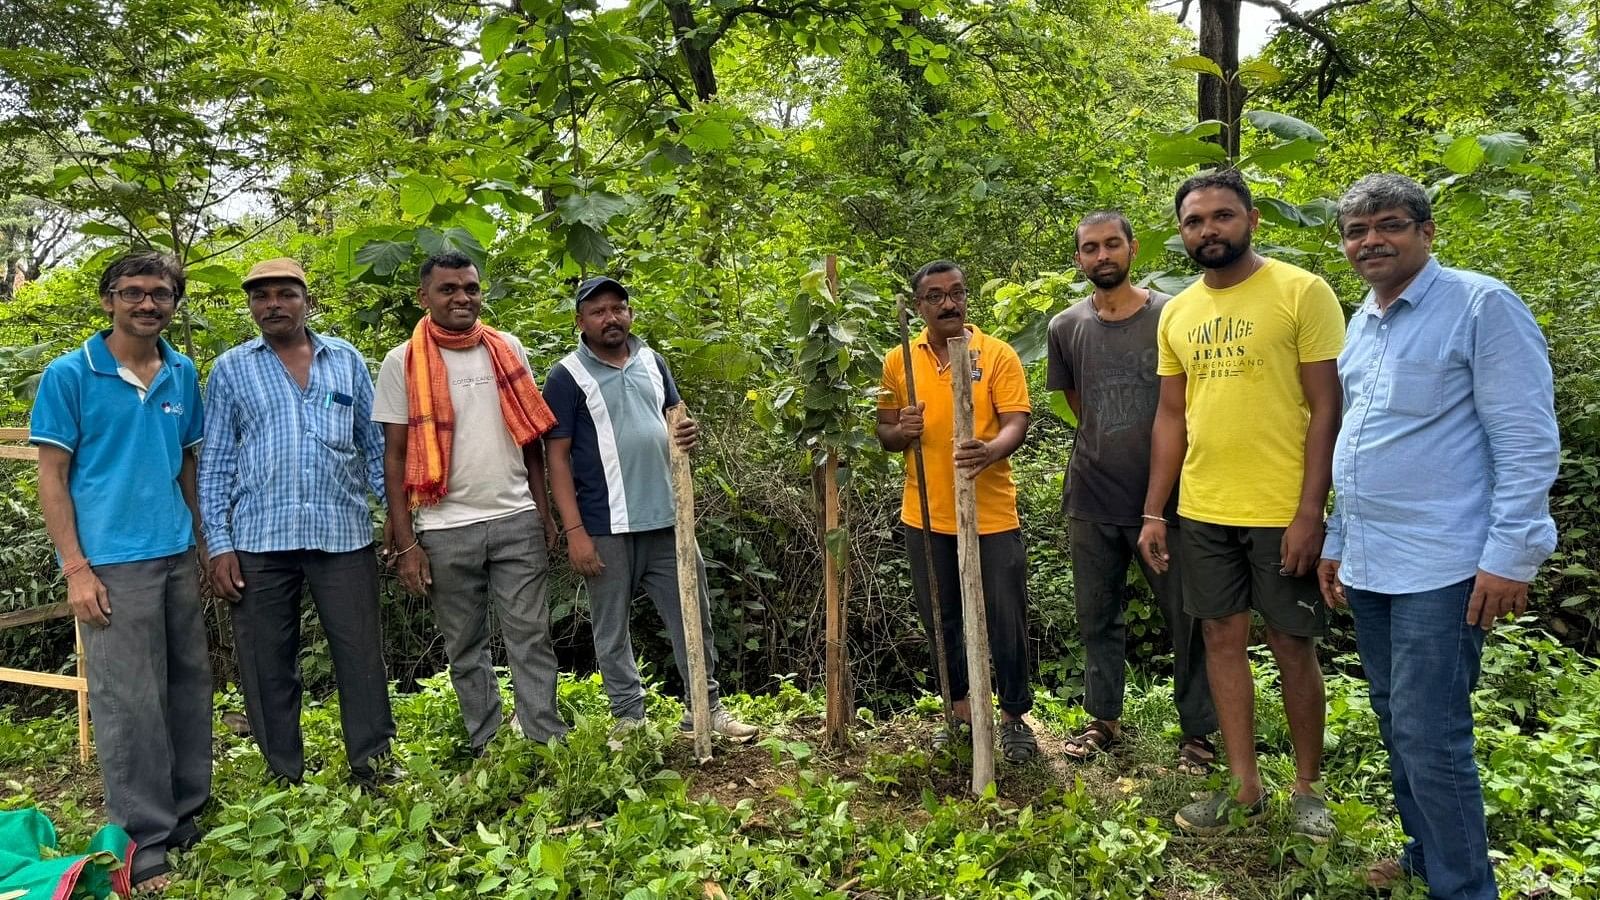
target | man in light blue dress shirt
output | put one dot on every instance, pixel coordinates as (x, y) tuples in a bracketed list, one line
[(1441, 474), (291, 454)]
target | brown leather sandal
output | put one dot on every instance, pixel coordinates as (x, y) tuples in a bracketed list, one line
[(1097, 738), (1196, 755)]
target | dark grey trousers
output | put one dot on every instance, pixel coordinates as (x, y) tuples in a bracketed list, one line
[(502, 560), (150, 700), (647, 561), (1005, 595), (266, 639), (1100, 557)]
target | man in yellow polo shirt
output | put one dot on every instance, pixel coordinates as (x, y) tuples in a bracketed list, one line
[(1249, 409), (1000, 424)]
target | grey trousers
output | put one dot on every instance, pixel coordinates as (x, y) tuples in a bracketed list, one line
[(1005, 597), (150, 700), (647, 561), (502, 560), (266, 638), (1100, 556)]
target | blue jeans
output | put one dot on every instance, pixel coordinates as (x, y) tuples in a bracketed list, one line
[(1421, 659)]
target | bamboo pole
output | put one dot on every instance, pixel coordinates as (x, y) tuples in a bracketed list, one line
[(699, 695), (83, 695), (935, 603), (836, 660), (974, 621)]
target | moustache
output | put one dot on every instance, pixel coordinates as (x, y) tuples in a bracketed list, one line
[(950, 315), (1376, 252)]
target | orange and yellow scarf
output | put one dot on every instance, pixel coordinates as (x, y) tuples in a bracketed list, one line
[(431, 430)]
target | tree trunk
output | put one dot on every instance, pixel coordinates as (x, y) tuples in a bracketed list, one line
[(696, 51), (1219, 42)]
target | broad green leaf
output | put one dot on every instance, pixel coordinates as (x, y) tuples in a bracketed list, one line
[(1297, 150), (102, 229), (934, 73), (214, 274), (1152, 245), (800, 315), (421, 817), (588, 246), (1260, 73), (479, 222), (1503, 148), (837, 541), (1284, 127), (1464, 155), (1280, 212), (384, 257), (1202, 64), (592, 209), (1204, 128), (452, 240), (419, 194), (1182, 152), (708, 135), (1058, 405), (497, 35)]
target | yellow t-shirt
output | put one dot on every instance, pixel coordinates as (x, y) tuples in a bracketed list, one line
[(1241, 349), (1000, 386)]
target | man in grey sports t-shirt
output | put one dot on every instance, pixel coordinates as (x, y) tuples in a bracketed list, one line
[(609, 477), (1102, 355)]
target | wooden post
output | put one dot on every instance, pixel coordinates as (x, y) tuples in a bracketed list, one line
[(974, 620), (836, 661), (83, 696), (935, 596), (699, 695)]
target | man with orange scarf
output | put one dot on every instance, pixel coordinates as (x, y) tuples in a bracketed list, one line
[(469, 515)]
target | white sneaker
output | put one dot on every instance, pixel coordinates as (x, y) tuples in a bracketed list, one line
[(723, 723), (625, 725)]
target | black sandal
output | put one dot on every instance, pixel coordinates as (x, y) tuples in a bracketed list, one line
[(1096, 738), (1196, 755)]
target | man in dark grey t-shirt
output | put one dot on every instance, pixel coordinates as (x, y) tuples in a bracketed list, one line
[(1102, 355)]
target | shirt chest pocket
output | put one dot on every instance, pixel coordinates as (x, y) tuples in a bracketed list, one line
[(1415, 387), (331, 418)]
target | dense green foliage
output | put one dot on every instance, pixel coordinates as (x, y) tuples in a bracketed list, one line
[(710, 153), (785, 819)]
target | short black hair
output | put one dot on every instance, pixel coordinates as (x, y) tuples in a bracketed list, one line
[(451, 260), (1100, 217), (144, 262), (936, 267), (1216, 178)]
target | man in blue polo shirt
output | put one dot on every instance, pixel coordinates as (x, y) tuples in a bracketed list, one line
[(291, 453), (114, 421), (609, 478)]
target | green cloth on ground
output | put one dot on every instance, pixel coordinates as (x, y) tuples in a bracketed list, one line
[(30, 869)]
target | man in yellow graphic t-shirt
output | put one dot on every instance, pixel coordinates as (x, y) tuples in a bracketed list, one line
[(1000, 423), (1249, 410)]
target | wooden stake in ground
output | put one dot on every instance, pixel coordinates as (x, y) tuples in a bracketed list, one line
[(936, 604), (974, 621), (699, 695), (836, 660)]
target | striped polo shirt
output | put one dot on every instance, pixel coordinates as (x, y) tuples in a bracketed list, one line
[(616, 419)]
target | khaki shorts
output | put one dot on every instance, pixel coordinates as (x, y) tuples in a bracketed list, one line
[(1230, 569)]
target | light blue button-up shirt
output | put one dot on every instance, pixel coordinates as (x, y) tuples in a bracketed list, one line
[(285, 467), (1448, 445)]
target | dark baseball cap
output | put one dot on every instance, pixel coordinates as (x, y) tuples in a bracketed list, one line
[(596, 285)]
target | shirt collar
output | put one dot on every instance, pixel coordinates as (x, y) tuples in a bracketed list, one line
[(1414, 292), (260, 343), (921, 339), (635, 345), (102, 362)]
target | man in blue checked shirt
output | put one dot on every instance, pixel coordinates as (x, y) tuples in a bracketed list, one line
[(291, 452), (1443, 370)]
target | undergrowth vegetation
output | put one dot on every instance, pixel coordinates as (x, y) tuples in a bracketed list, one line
[(637, 819)]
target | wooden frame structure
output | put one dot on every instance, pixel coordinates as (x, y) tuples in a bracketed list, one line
[(78, 684)]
